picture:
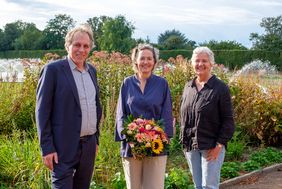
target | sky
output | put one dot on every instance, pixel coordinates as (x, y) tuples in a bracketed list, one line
[(198, 20)]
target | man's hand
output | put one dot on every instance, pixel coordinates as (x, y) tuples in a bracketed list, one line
[(49, 159), (214, 153)]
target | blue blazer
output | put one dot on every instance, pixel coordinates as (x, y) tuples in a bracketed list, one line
[(58, 112)]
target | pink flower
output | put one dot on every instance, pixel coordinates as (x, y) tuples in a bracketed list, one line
[(139, 137), (132, 126)]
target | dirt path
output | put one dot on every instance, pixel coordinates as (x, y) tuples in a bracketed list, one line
[(270, 180)]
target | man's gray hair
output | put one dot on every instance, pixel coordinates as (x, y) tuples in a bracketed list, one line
[(84, 28), (140, 47), (200, 50)]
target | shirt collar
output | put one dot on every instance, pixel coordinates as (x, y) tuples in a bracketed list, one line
[(209, 84), (148, 79), (211, 81), (73, 66)]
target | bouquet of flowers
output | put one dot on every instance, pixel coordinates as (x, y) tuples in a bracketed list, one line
[(145, 137)]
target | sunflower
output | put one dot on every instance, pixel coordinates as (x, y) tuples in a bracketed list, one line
[(157, 146)]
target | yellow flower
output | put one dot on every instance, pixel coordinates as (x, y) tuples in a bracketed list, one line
[(157, 146)]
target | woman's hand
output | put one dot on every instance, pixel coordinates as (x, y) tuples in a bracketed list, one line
[(214, 153)]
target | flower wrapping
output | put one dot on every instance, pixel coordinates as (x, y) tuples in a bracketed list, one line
[(145, 137)]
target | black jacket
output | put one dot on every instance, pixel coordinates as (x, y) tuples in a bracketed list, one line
[(206, 116)]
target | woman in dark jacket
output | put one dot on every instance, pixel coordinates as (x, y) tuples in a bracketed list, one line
[(207, 122)]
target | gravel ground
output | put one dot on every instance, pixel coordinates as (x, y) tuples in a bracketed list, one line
[(269, 180)]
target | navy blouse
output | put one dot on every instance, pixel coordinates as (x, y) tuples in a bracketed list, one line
[(154, 103)]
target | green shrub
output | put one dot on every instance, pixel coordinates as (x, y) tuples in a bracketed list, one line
[(233, 59), (251, 165), (236, 147), (118, 182), (230, 169), (257, 115), (29, 53), (177, 179), (20, 162)]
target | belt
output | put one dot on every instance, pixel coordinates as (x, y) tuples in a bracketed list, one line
[(86, 137)]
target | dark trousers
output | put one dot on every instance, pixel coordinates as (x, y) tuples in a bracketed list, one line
[(77, 174)]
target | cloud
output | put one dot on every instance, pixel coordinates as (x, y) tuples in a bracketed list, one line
[(203, 19)]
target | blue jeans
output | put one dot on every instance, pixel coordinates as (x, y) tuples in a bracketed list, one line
[(206, 174)]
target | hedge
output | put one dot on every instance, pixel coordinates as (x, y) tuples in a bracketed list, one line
[(29, 53), (233, 58), (230, 58)]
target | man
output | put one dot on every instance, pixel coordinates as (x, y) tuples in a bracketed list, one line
[(68, 113)]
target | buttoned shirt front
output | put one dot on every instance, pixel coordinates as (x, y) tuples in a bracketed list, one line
[(87, 93), (206, 115), (153, 103)]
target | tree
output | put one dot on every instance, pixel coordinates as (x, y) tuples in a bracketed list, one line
[(31, 39), (56, 30), (11, 32), (96, 24), (117, 35), (224, 45), (174, 39), (272, 39), (2, 40)]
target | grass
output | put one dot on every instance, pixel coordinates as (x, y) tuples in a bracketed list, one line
[(20, 162)]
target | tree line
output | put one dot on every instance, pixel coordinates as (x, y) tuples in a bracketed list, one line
[(115, 34)]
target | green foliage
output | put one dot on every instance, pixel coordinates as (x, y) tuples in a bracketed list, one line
[(251, 165), (118, 182), (259, 116), (176, 80), (9, 93), (2, 43), (29, 53), (11, 32), (174, 39), (272, 39), (230, 170), (233, 59), (257, 160), (224, 45), (20, 162), (255, 116), (56, 30), (266, 156), (177, 179), (18, 101), (96, 24), (236, 147), (31, 39), (117, 35)]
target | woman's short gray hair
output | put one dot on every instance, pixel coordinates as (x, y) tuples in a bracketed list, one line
[(200, 50), (85, 28), (140, 47)]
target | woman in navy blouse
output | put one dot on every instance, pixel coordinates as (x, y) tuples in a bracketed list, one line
[(148, 96)]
